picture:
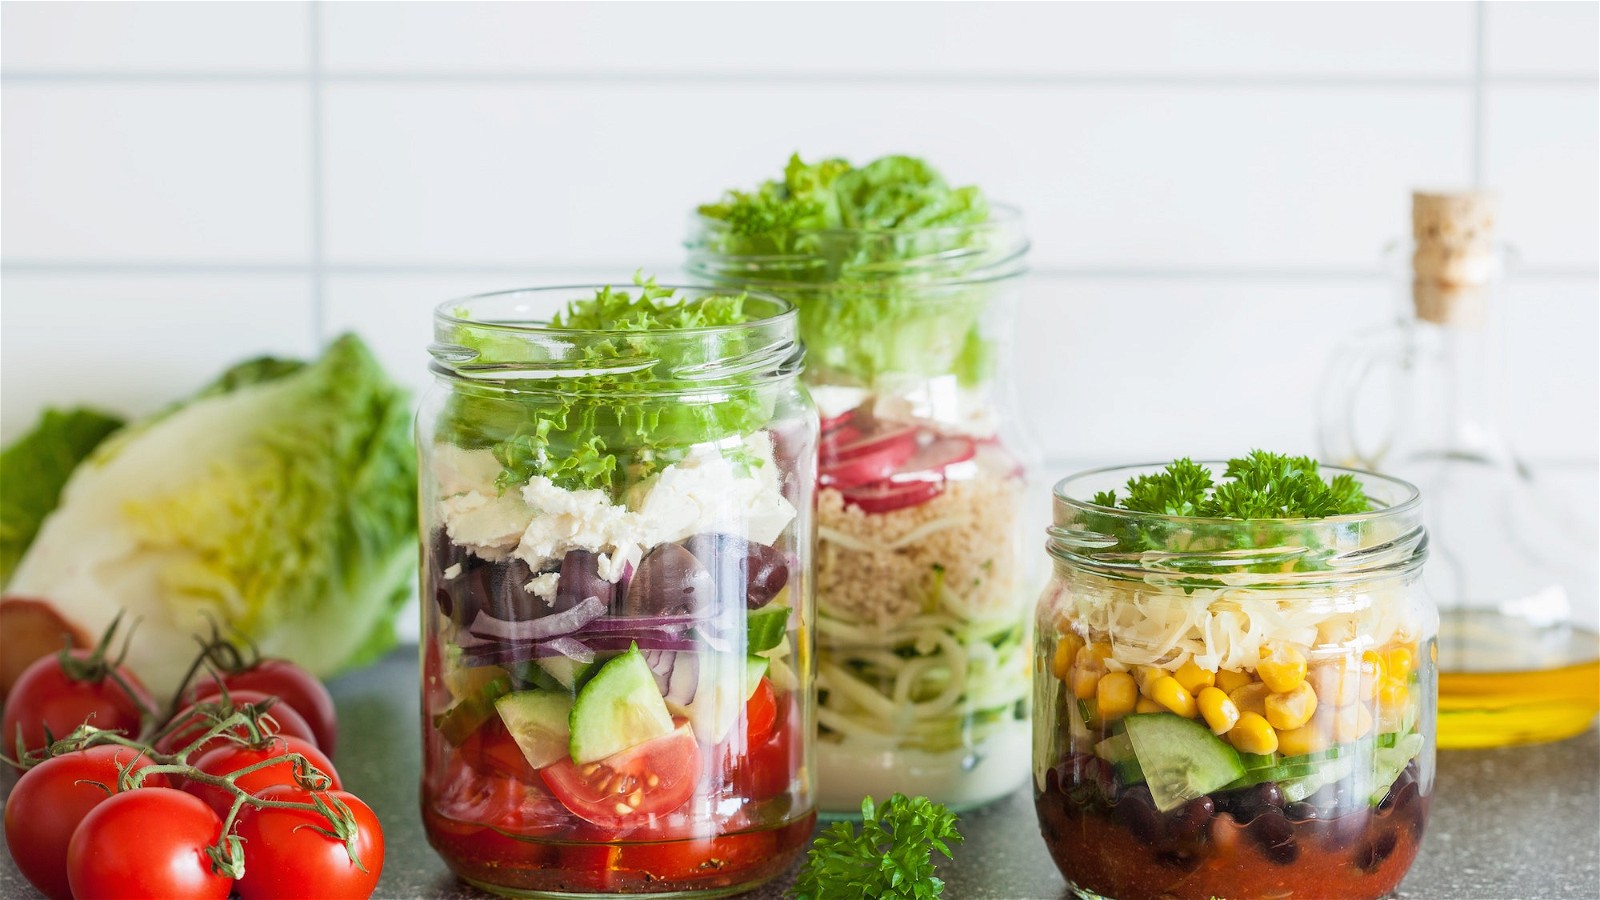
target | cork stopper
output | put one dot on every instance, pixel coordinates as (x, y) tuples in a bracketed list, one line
[(1454, 256)]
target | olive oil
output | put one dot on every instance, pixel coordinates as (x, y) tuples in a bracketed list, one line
[(1523, 688)]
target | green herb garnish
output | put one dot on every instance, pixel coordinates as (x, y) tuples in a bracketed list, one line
[(1263, 486), (633, 411), (892, 856), (859, 251)]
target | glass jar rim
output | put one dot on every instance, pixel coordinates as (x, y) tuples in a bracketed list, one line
[(1001, 215), (444, 313)]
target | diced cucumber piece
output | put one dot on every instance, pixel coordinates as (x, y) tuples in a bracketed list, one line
[(1118, 750), (766, 627), (755, 668), (619, 708), (539, 723), (1389, 762), (458, 722), (1312, 777), (1181, 758), (1254, 761), (568, 672)]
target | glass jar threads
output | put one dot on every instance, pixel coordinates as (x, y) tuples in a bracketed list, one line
[(616, 496), (1238, 707), (921, 593)]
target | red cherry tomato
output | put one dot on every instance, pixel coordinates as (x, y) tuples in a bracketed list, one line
[(293, 685), (760, 714), (46, 696), (492, 750), (287, 856), (51, 799), (229, 759), (288, 722), (654, 778), (768, 767), (149, 843)]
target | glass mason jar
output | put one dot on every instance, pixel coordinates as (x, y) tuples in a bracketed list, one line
[(617, 686), (921, 587), (1234, 708)]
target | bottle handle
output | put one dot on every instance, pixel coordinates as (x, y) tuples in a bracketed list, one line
[(1344, 382)]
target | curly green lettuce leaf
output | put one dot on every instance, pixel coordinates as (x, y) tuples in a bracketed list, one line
[(35, 468), (857, 250), (631, 414), (279, 502)]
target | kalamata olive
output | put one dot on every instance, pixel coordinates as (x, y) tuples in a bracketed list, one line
[(442, 555), (471, 591), (669, 581), (580, 579), (1275, 836), (744, 571), (509, 597)]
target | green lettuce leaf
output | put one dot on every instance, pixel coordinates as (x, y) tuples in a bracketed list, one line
[(34, 469)]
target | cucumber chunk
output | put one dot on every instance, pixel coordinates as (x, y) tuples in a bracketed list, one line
[(1118, 750), (568, 672), (766, 627), (619, 708), (538, 722), (755, 668), (1181, 758)]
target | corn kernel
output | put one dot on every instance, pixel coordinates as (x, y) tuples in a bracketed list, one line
[(1146, 676), (1287, 711), (1146, 705), (1193, 678), (1231, 680), (1084, 680), (1337, 682), (1252, 734), (1282, 667), (1399, 661), (1302, 740), (1218, 711), (1099, 651), (1061, 661), (1251, 698), (1351, 722), (1169, 693), (1392, 692), (1115, 696)]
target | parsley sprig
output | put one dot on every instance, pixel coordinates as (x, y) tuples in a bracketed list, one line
[(1263, 485), (892, 856)]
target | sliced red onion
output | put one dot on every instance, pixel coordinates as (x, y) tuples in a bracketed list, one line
[(684, 681), (553, 625), (571, 648)]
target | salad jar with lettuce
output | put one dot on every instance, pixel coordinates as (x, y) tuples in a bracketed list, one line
[(616, 498), (905, 288)]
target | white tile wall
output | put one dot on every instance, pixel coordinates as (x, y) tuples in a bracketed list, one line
[(1207, 184)]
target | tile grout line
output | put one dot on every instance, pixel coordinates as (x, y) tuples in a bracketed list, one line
[(314, 85), (1480, 52)]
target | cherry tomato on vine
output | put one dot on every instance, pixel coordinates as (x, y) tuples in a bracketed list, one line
[(232, 758), (286, 855), (289, 723), (293, 685), (51, 799), (50, 695), (149, 843), (655, 778)]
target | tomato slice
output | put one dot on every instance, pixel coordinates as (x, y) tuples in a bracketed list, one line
[(627, 788), (760, 714)]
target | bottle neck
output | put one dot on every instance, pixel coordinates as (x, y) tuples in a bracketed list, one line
[(1460, 368)]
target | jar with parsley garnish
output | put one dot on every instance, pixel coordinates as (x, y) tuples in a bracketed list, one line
[(1234, 681), (616, 498), (905, 287)]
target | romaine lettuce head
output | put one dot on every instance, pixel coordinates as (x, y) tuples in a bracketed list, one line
[(279, 501)]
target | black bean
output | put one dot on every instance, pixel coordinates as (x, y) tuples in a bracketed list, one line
[(1374, 852), (1246, 804), (1397, 791), (1302, 811), (1275, 836), (1137, 811), (1346, 831), (1187, 823)]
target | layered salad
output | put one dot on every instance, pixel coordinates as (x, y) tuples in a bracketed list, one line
[(613, 686), (901, 282), (1234, 685)]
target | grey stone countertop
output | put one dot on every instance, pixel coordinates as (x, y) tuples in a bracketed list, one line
[(1512, 822)]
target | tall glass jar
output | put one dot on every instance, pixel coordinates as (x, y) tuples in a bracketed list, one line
[(1234, 708), (921, 593), (617, 688)]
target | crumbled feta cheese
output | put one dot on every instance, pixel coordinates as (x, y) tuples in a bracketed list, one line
[(708, 492), (489, 525), (544, 586), (459, 471), (566, 520), (453, 572), (834, 401)]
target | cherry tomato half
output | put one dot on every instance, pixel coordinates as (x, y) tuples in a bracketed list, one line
[(651, 779), (760, 714), (50, 800), (228, 759), (293, 685), (148, 843), (286, 855), (45, 696)]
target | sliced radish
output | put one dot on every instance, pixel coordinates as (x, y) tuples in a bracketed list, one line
[(931, 460), (887, 496), (866, 459)]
